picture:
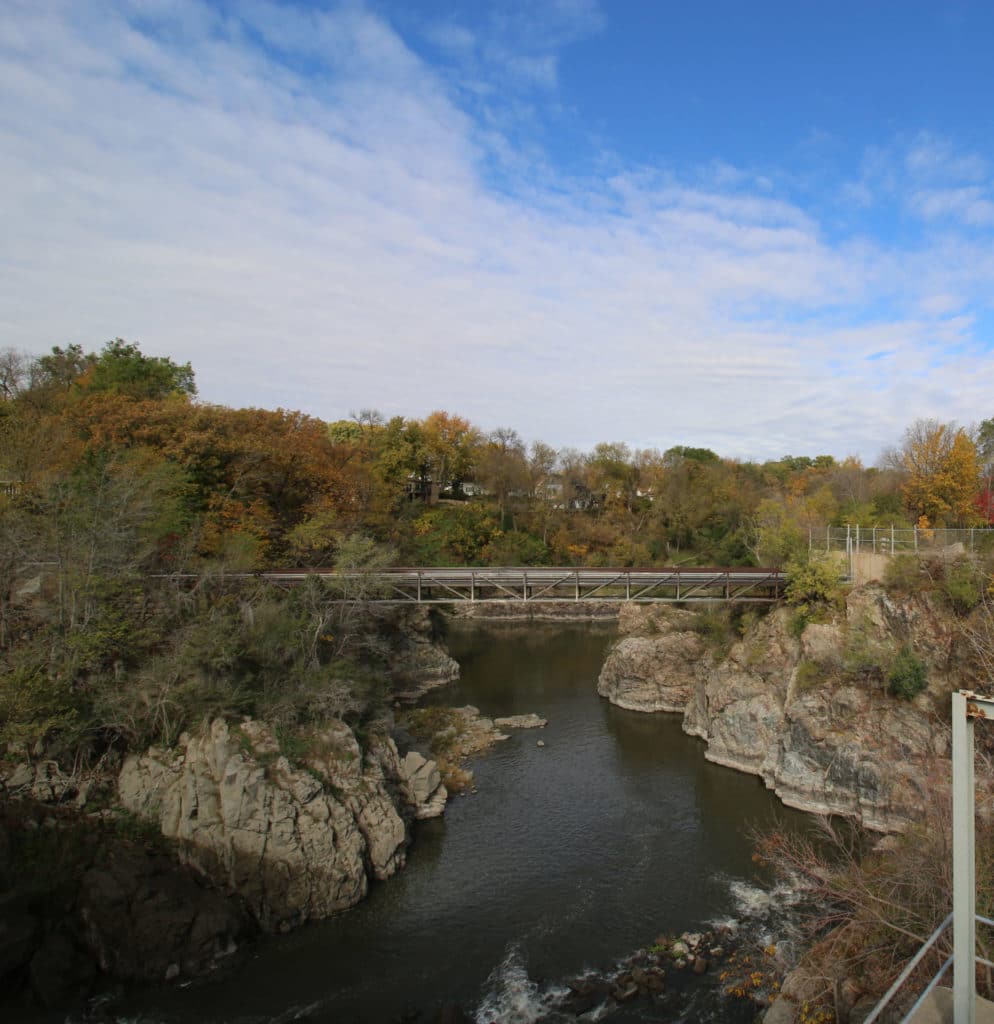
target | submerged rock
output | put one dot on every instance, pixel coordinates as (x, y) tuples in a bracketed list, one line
[(531, 721)]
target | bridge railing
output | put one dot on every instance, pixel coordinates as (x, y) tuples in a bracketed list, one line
[(530, 584)]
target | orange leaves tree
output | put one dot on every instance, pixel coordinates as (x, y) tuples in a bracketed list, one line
[(943, 472)]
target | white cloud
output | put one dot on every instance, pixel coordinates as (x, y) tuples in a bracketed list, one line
[(969, 205), (931, 158), (309, 221)]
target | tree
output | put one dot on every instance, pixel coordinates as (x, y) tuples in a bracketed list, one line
[(447, 452), (15, 373), (503, 466), (776, 537), (673, 456), (60, 370), (943, 472), (121, 366)]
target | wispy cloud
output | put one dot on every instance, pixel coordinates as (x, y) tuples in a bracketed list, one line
[(303, 206), (971, 205)]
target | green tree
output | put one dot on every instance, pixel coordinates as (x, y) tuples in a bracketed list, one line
[(122, 367)]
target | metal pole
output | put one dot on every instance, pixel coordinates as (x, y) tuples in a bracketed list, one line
[(964, 890)]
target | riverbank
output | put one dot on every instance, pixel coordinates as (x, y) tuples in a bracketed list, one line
[(571, 858), (512, 611), (170, 861)]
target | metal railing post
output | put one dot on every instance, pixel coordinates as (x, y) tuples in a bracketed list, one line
[(964, 890)]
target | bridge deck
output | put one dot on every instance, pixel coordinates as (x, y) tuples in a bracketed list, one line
[(537, 584)]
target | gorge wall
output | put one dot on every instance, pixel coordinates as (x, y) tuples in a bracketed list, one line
[(297, 842), (164, 864), (805, 709)]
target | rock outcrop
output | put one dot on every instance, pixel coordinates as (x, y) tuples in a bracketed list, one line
[(297, 842), (418, 659), (79, 899), (809, 714), (511, 610), (657, 667)]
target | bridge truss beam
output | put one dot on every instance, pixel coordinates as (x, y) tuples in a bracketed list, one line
[(534, 585)]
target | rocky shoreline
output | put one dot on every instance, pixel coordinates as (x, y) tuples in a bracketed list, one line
[(516, 611), (785, 704), (169, 861)]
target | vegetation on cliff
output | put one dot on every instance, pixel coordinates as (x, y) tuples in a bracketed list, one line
[(128, 507)]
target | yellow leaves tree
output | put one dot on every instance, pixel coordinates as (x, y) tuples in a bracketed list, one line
[(448, 448), (943, 472)]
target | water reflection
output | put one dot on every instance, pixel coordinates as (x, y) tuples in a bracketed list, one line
[(571, 855)]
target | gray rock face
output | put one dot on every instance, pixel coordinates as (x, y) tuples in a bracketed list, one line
[(419, 660), (424, 785), (781, 708), (656, 670), (297, 843), (530, 721), (511, 610), (145, 920), (42, 781)]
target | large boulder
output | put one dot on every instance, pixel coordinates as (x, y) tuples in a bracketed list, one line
[(657, 666), (297, 843)]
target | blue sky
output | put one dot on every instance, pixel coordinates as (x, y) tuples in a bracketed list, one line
[(763, 228)]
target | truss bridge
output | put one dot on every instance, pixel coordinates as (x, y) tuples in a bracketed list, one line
[(536, 584)]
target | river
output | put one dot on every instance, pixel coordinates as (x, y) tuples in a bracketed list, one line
[(570, 856)]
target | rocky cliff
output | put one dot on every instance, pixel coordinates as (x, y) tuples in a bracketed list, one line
[(418, 660), (296, 841), (806, 709)]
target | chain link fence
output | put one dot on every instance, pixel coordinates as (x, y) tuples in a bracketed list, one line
[(893, 540)]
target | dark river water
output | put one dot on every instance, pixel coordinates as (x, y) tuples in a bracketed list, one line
[(569, 857)]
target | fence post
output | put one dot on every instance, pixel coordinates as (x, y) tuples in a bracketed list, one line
[(874, 540), (857, 538), (892, 539), (964, 840)]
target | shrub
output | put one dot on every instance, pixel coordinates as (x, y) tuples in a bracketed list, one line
[(961, 587), (808, 675), (903, 574), (864, 654), (908, 675), (816, 580), (715, 627)]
